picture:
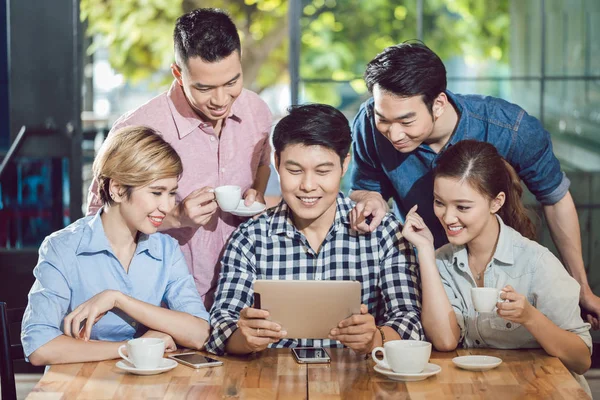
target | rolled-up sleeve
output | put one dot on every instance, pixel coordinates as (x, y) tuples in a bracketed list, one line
[(556, 295), (181, 293), (533, 158), (49, 300), (400, 287), (367, 173), (451, 288), (234, 293)]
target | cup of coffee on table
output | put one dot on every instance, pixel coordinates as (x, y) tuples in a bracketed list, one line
[(144, 353), (403, 356), (485, 298), (228, 197)]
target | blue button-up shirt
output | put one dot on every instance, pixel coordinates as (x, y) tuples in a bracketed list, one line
[(77, 263), (407, 178)]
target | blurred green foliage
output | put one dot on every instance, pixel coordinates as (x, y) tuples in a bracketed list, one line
[(338, 37)]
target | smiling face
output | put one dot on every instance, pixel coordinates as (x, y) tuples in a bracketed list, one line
[(464, 212), (310, 182), (147, 206), (211, 88), (404, 121)]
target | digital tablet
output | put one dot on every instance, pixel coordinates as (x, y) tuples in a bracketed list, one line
[(307, 309)]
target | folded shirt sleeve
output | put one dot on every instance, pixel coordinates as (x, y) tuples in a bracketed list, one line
[(456, 301), (49, 300), (556, 295), (181, 293)]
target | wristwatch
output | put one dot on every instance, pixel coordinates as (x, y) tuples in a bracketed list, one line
[(380, 329)]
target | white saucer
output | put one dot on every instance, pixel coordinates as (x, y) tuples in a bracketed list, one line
[(243, 211), (430, 369), (477, 363), (166, 364)]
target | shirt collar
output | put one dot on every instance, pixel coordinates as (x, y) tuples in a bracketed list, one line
[(94, 240), (185, 117), (281, 221), (504, 249), (461, 132)]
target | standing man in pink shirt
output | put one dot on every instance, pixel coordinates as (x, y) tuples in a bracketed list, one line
[(219, 129)]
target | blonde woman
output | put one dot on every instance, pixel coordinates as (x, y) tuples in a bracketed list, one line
[(101, 280)]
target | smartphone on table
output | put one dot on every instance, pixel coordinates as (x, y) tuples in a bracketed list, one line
[(195, 360), (311, 355)]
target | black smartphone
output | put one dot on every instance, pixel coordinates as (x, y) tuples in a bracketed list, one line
[(311, 355)]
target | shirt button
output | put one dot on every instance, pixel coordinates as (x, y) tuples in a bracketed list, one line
[(212, 139), (222, 169), (477, 342), (508, 325), (134, 324), (289, 234), (317, 278)]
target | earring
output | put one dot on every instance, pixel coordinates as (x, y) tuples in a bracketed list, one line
[(112, 195)]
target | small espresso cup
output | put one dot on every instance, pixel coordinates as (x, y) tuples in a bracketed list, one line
[(228, 197), (485, 298), (403, 356), (144, 353)]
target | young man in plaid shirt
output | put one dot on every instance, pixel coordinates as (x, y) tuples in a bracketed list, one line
[(308, 237)]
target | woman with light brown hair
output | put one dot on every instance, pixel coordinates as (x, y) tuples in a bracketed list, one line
[(101, 280)]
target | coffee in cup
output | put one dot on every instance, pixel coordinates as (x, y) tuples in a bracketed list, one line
[(144, 353), (228, 197), (485, 298), (403, 356)]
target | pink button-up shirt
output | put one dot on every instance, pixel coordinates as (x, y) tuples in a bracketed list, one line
[(208, 160)]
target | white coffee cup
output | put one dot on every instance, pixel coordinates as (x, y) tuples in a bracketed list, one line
[(144, 353), (485, 298), (228, 197), (403, 356)]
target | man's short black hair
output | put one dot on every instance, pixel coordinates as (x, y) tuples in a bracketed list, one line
[(313, 125), (208, 33), (406, 70)]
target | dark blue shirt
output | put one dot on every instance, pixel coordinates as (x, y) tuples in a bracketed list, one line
[(519, 138)]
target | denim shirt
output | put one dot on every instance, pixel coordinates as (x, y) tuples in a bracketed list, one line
[(407, 178), (532, 270), (77, 262)]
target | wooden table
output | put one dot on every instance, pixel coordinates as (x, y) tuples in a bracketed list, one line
[(274, 374)]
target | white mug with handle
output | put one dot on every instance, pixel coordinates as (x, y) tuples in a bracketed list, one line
[(403, 356), (143, 353)]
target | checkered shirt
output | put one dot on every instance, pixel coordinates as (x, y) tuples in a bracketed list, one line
[(271, 247)]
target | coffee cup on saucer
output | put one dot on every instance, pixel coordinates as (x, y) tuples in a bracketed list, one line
[(403, 356), (228, 197), (144, 353)]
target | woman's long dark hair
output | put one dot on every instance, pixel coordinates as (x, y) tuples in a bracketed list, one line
[(480, 164)]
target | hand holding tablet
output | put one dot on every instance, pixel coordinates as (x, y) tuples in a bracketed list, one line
[(307, 309)]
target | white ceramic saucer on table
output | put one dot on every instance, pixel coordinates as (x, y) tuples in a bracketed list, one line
[(243, 211), (430, 369), (477, 363), (166, 364)]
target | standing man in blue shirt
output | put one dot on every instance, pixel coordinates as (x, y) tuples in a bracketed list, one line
[(412, 118)]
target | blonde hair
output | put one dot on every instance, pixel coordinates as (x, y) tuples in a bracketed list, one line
[(134, 156)]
